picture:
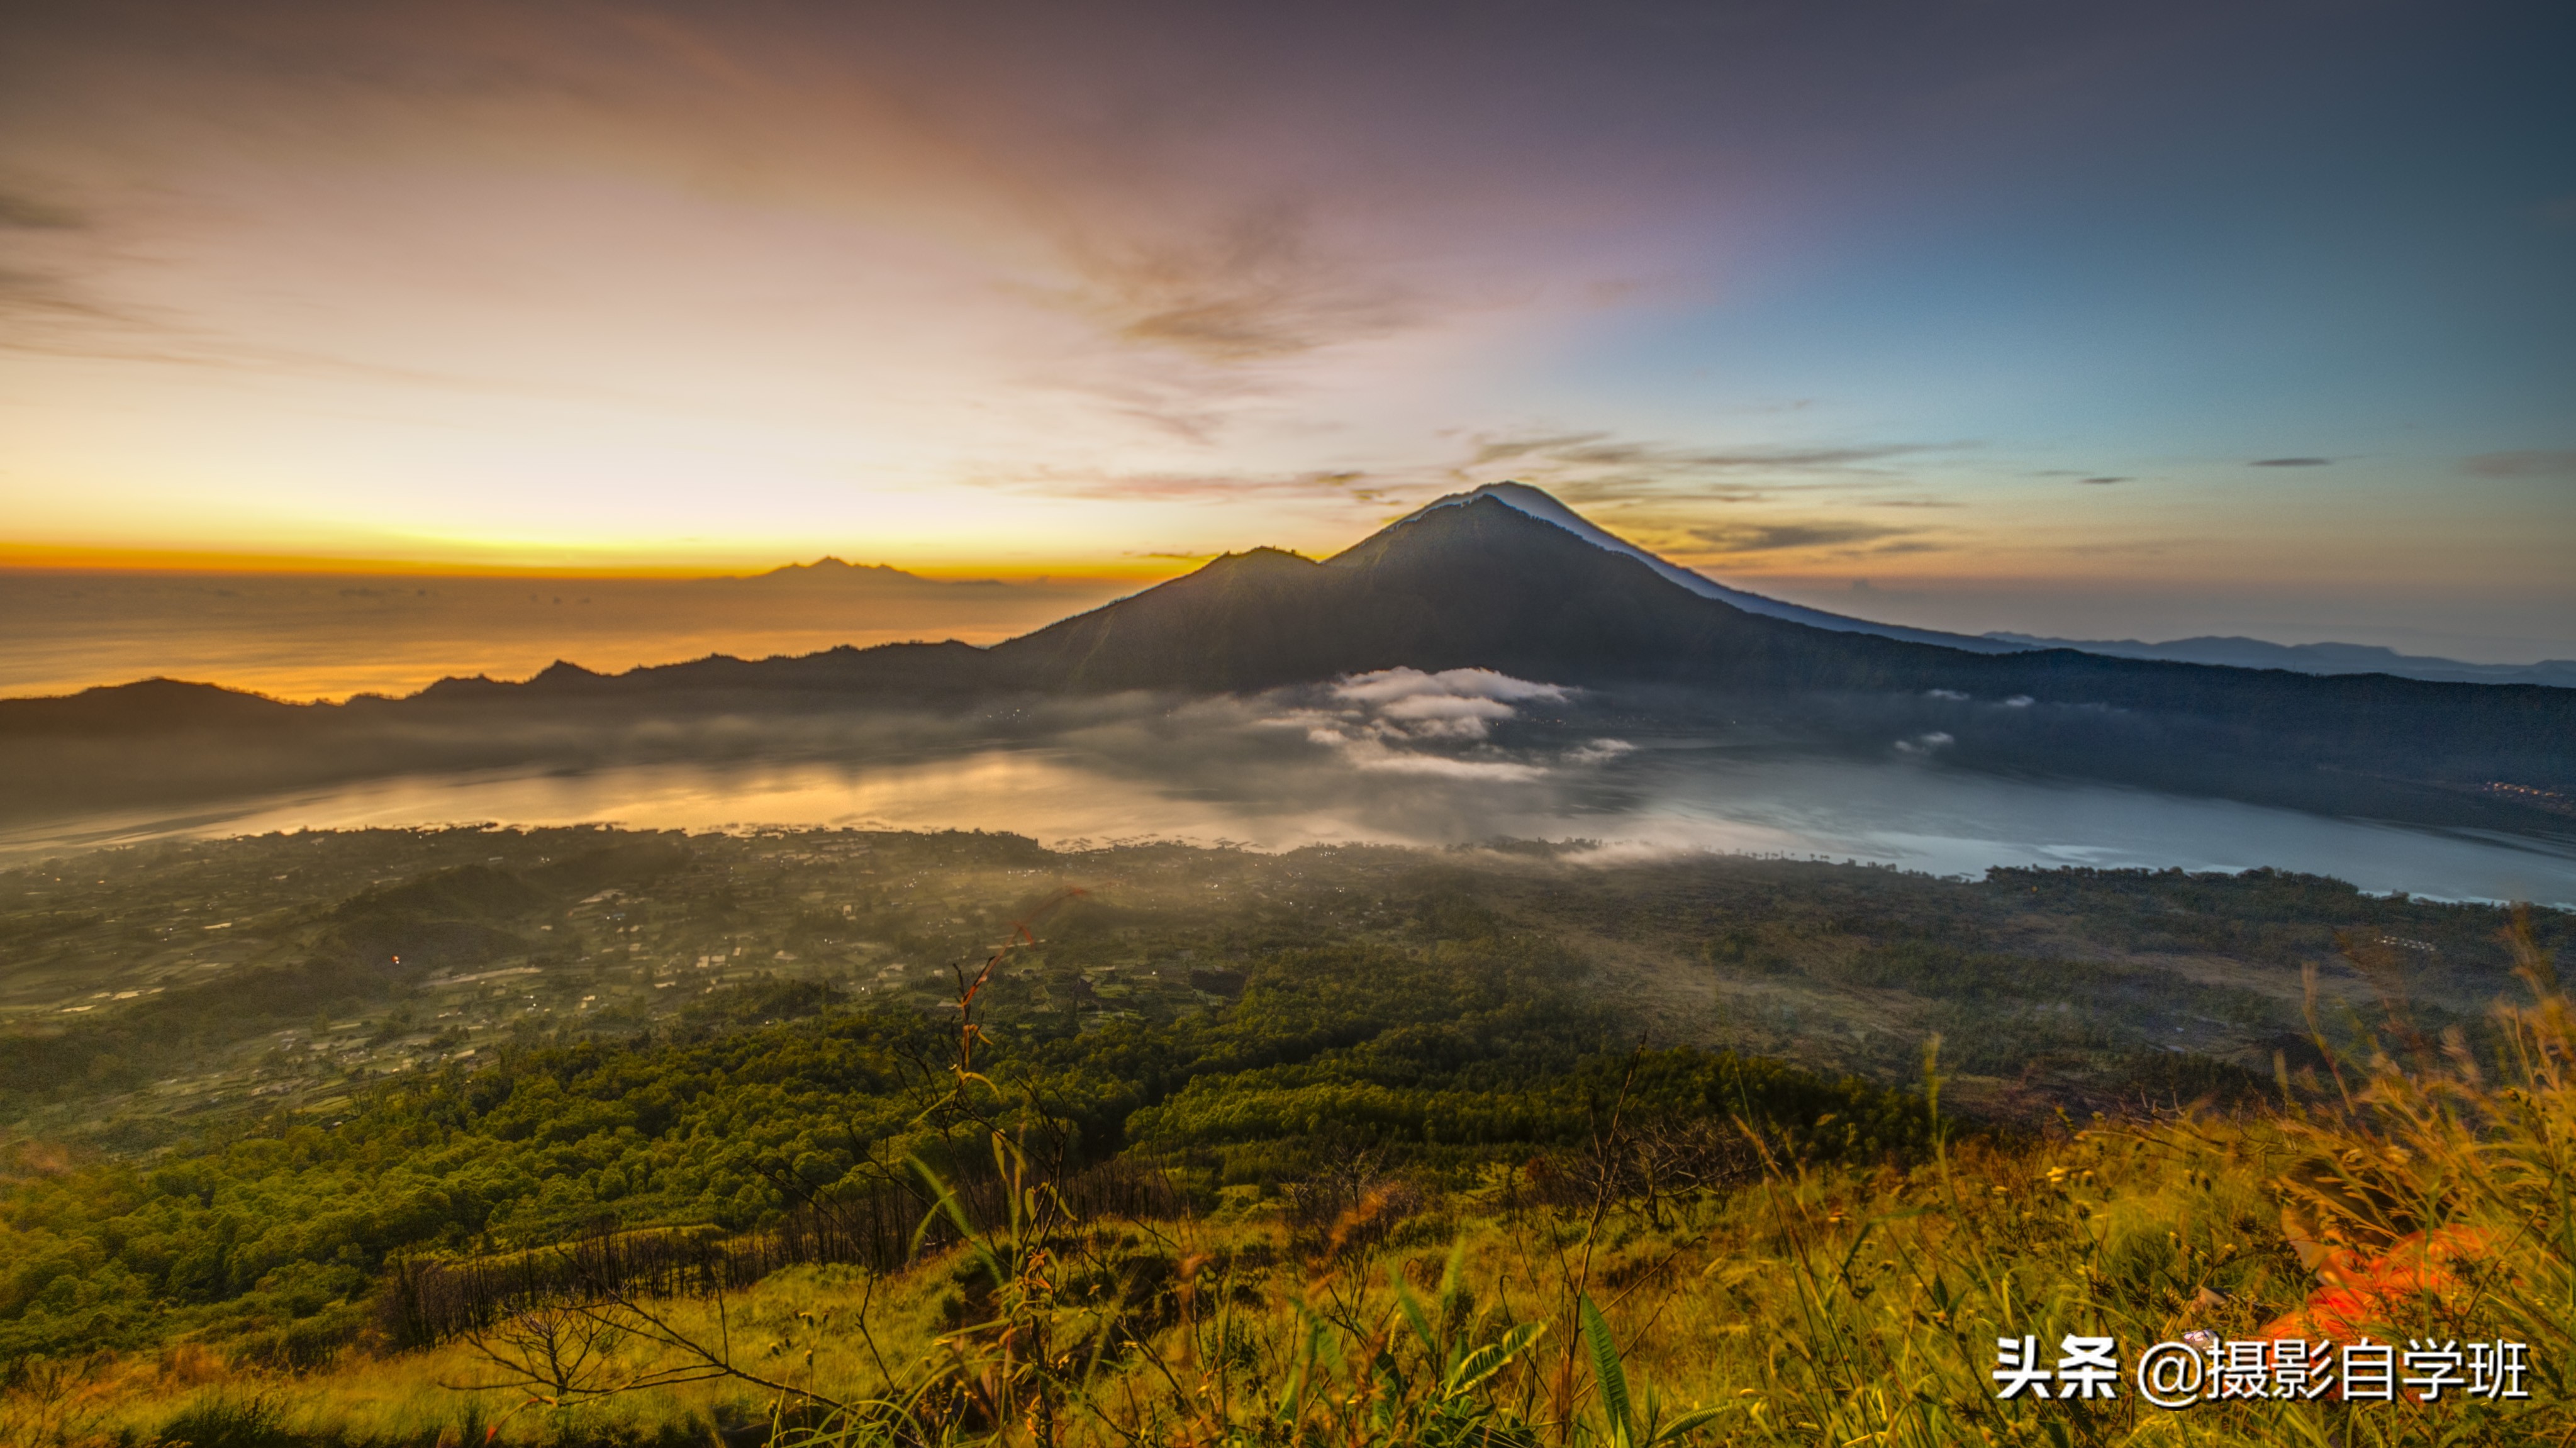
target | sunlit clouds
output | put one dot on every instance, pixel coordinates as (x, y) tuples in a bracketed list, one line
[(1433, 725), (1946, 299)]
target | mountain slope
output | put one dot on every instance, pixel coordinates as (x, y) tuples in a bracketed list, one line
[(2239, 653), (1480, 586), (1539, 504)]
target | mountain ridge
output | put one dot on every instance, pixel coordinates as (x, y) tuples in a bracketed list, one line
[(2238, 652)]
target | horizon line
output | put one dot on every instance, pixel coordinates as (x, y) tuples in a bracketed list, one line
[(77, 558)]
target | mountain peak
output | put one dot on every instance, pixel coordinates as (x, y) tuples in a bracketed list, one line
[(565, 674), (1542, 505), (1253, 559), (830, 576)]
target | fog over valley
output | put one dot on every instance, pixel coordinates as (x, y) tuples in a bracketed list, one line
[(1400, 756)]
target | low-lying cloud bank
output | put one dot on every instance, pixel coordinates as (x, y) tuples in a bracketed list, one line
[(1405, 721)]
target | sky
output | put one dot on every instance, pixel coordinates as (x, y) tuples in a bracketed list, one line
[(2085, 319)]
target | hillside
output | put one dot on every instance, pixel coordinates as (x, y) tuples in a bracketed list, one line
[(644, 1139)]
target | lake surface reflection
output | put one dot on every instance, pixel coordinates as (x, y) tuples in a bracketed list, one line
[(1656, 800)]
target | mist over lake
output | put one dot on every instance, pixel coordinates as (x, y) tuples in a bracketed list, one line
[(1239, 777)]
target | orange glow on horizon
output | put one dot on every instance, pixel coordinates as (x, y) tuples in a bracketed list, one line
[(105, 558)]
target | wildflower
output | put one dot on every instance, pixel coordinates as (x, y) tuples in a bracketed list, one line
[(2351, 1293)]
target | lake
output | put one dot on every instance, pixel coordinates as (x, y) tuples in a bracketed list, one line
[(1660, 799)]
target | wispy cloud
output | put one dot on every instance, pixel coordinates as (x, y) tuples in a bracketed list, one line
[(1213, 486), (1642, 462), (1259, 285), (41, 297), (2540, 464), (1663, 494), (2293, 462), (46, 294), (1775, 537), (28, 213)]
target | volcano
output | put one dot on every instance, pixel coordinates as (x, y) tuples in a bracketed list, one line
[(1471, 582)]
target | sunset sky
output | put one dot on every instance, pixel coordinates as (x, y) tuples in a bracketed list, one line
[(2090, 318)]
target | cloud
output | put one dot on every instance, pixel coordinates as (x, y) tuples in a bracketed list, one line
[(1631, 454), (41, 299), (1925, 743), (1445, 717), (2105, 482), (1041, 226), (2543, 464), (1256, 286), (1665, 496), (48, 311), (1490, 451), (26, 213), (1374, 755), (1598, 751), (2292, 462), (45, 293), (1653, 466), (1405, 721), (2131, 545), (1635, 488), (1390, 685), (1454, 704), (1774, 537), (1192, 487)]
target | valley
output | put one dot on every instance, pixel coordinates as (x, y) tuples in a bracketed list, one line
[(148, 988)]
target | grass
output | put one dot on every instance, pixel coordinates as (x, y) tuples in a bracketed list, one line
[(1846, 1305)]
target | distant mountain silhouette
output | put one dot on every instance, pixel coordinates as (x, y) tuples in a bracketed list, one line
[(2324, 658), (832, 574)]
